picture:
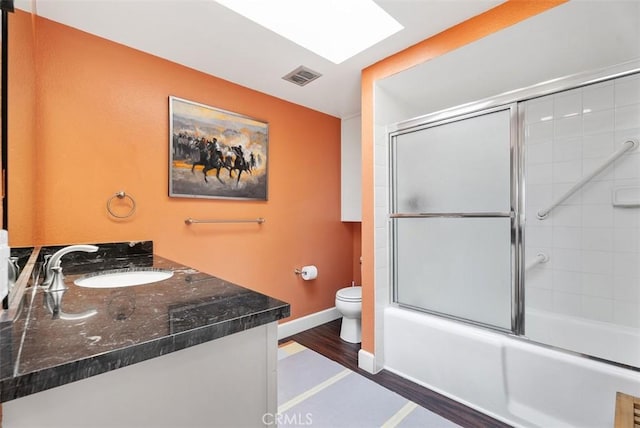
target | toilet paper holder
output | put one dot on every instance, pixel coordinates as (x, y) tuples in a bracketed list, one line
[(307, 273)]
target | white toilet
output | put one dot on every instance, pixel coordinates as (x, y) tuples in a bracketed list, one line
[(349, 304)]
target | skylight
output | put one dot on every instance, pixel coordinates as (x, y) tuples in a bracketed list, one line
[(333, 29)]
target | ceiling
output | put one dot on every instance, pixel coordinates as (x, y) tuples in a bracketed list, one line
[(205, 36)]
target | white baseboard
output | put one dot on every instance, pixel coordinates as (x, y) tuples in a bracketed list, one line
[(367, 361), (289, 328)]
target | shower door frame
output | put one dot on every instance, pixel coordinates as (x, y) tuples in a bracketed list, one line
[(513, 98), (517, 295)]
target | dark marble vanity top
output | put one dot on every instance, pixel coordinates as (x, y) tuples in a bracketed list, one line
[(132, 324)]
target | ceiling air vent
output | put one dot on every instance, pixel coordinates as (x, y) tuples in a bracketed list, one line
[(301, 76)]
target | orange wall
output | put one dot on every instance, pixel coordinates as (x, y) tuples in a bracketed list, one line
[(102, 126), (21, 131), (496, 19)]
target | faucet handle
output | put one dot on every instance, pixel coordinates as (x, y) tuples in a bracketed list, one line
[(57, 281)]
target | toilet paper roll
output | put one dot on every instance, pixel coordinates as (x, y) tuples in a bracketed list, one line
[(309, 272)]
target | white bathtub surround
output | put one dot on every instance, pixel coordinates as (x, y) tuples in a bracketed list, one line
[(520, 383), (592, 237), (595, 241), (596, 338)]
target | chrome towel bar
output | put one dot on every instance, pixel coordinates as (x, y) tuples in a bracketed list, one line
[(258, 220)]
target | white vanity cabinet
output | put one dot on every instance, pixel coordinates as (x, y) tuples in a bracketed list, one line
[(227, 382)]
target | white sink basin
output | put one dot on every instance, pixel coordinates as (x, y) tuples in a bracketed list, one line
[(123, 278)]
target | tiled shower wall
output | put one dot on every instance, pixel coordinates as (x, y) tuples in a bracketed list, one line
[(593, 269)]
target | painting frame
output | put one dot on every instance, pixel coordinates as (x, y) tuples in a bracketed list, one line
[(216, 153)]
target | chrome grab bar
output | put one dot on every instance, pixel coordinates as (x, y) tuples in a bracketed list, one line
[(540, 258), (258, 220), (626, 147)]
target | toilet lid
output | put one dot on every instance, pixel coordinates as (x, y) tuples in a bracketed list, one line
[(350, 294)]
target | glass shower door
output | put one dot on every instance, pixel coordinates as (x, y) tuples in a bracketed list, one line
[(453, 217)]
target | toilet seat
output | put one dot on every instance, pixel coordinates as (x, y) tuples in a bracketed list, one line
[(350, 294)]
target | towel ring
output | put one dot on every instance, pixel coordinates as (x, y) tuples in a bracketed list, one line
[(121, 195)]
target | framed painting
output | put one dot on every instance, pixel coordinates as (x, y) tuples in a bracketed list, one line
[(216, 153)]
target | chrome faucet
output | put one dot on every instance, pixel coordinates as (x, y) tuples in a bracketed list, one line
[(14, 271), (54, 261), (55, 286), (53, 299)]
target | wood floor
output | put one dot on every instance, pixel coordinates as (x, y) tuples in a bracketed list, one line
[(325, 340)]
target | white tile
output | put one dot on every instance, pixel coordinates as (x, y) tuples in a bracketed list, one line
[(538, 195), (382, 257), (536, 110), (567, 281), (539, 153), (538, 131), (380, 195), (597, 122), (380, 153), (597, 238), (628, 167), (567, 237), (539, 298), (591, 165), (561, 189), (567, 215), (567, 103), (566, 259), (598, 145), (381, 177), (597, 192), (567, 172), (537, 236), (626, 264), (539, 277), (567, 303), (627, 90), (627, 116), (597, 285), (626, 240), (597, 308), (597, 97), (600, 262), (381, 239), (569, 127), (626, 288), (539, 174), (567, 149), (626, 218), (626, 313), (597, 215), (381, 218)]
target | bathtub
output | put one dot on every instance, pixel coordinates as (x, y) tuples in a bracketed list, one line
[(599, 339), (510, 379)]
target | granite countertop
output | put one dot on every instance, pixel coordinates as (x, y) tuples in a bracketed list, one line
[(132, 324)]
